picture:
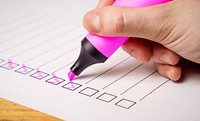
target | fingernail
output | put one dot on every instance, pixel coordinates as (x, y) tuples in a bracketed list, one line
[(94, 22), (169, 74), (135, 54), (164, 57)]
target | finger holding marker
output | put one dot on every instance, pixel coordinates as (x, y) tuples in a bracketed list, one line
[(165, 61), (97, 49), (144, 51), (127, 21), (136, 23), (174, 25), (171, 71), (162, 55), (139, 49)]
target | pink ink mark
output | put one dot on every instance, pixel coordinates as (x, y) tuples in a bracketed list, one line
[(24, 68), (38, 72), (10, 63), (71, 76), (72, 85), (55, 78)]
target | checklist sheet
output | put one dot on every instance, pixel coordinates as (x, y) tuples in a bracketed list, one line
[(39, 42)]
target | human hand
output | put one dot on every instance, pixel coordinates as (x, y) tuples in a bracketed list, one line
[(162, 33)]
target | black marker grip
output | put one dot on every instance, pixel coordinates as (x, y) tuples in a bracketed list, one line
[(88, 56)]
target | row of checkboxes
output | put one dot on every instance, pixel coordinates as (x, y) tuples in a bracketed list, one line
[(105, 97), (88, 91)]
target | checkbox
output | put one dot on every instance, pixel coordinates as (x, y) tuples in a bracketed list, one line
[(24, 70), (39, 75), (88, 91), (106, 97), (55, 80), (71, 86), (9, 65), (124, 103)]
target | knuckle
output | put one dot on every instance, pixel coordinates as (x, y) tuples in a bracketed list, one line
[(118, 23), (165, 23), (123, 23)]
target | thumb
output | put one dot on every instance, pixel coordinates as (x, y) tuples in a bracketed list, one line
[(150, 22)]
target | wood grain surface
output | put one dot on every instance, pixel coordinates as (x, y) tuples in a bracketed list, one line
[(10, 111)]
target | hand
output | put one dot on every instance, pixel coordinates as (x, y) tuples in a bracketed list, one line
[(162, 33)]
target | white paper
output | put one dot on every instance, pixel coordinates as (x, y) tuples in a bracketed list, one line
[(41, 39)]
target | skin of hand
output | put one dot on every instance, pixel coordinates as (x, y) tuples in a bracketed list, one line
[(161, 33)]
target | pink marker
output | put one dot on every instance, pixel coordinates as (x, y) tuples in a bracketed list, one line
[(97, 49)]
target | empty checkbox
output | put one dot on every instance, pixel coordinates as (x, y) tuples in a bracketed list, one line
[(9, 65), (24, 70), (39, 75), (124, 103), (71, 86), (88, 91), (55, 80), (106, 97)]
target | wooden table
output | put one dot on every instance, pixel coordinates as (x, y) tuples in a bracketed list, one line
[(10, 111)]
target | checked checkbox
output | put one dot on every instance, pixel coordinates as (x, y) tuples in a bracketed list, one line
[(9, 65), (55, 80), (24, 70), (71, 86), (39, 74)]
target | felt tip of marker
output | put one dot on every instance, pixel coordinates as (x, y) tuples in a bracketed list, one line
[(71, 76)]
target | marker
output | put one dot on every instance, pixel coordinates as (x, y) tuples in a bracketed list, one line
[(97, 49)]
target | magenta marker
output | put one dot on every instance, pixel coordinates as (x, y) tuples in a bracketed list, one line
[(97, 49)]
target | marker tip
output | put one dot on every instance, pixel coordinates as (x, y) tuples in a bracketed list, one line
[(71, 76)]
